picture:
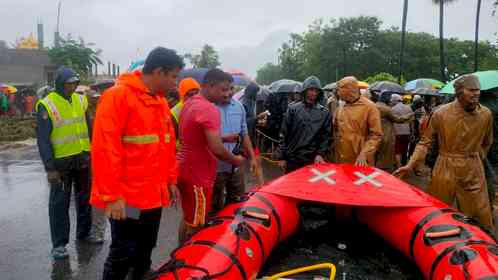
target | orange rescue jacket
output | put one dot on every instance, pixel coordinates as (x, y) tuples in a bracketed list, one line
[(133, 146)]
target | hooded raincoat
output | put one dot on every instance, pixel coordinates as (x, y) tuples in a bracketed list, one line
[(133, 148), (357, 130), (384, 158), (306, 130), (458, 177)]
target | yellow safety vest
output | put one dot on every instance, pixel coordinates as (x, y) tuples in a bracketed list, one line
[(69, 128), (175, 112)]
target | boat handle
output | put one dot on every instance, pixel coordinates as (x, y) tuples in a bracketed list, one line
[(447, 233), (260, 216), (305, 269)]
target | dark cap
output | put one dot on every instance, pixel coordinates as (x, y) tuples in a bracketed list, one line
[(468, 81)]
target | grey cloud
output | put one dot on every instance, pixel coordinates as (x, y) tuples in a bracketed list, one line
[(127, 29)]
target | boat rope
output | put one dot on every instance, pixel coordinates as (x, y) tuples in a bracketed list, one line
[(259, 132)]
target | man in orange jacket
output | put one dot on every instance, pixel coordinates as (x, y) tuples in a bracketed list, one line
[(134, 162)]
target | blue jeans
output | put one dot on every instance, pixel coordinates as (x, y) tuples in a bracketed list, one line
[(132, 244), (58, 206)]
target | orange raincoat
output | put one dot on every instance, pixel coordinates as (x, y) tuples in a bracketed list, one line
[(458, 177), (133, 146), (357, 129)]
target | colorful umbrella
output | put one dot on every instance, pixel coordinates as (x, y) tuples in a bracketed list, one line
[(488, 80), (8, 89), (423, 83), (195, 73), (136, 65), (363, 85)]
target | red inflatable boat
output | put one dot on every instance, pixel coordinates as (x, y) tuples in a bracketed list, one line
[(443, 243)]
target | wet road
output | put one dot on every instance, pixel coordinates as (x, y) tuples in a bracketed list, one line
[(24, 231)]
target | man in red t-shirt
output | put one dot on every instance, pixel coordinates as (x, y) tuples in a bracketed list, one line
[(201, 148)]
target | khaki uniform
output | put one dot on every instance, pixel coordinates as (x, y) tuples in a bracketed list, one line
[(385, 154), (357, 129), (458, 176)]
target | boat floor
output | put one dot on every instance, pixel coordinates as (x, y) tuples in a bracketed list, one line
[(357, 252)]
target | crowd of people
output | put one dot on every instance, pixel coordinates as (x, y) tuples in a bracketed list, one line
[(17, 104), (135, 155)]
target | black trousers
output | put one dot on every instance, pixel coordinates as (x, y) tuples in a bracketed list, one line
[(58, 206), (132, 244)]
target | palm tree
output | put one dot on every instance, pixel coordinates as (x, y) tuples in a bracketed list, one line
[(442, 60), (403, 36), (476, 42)]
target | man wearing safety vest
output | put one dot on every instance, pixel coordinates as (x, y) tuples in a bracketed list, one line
[(133, 161), (64, 145)]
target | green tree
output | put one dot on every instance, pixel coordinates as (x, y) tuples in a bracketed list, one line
[(384, 77), (208, 58), (77, 54), (268, 74), (348, 46), (291, 58), (359, 47)]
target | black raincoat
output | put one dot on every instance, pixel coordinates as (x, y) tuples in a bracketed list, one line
[(306, 130)]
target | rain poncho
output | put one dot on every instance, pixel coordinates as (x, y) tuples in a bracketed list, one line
[(305, 130), (385, 154), (458, 177), (276, 104), (357, 129)]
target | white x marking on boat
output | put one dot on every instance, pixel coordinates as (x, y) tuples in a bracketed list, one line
[(325, 176), (368, 179)]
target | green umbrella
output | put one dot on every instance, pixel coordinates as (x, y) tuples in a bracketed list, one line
[(488, 80)]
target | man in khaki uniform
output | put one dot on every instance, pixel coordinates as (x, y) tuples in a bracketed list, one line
[(385, 158), (357, 126), (464, 131)]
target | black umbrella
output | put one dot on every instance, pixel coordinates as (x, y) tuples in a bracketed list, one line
[(386, 86), (285, 86), (262, 95), (427, 91)]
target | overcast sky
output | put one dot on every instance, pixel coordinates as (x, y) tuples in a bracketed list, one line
[(127, 29)]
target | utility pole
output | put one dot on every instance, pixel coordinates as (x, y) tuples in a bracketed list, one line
[(476, 43), (403, 36), (442, 60), (57, 31)]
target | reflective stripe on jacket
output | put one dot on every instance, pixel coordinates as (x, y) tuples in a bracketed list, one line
[(133, 146), (69, 135)]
